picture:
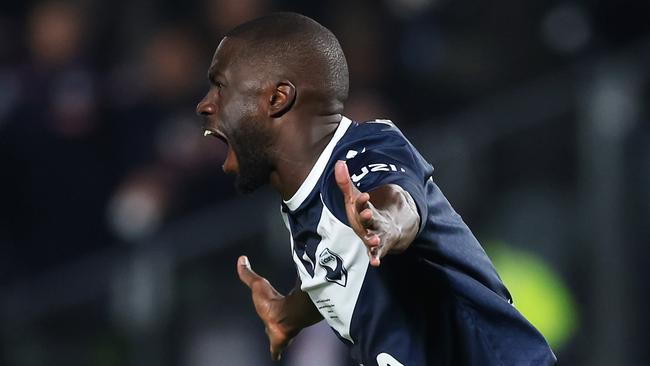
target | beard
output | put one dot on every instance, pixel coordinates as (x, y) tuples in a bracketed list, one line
[(252, 144)]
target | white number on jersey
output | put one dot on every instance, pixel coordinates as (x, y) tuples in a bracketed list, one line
[(384, 359)]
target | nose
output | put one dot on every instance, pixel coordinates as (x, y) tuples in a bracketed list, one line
[(205, 107)]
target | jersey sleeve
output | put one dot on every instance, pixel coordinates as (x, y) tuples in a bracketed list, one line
[(384, 157)]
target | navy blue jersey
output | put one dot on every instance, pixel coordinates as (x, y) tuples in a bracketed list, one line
[(440, 302)]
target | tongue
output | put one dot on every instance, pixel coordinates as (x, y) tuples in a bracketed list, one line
[(231, 164)]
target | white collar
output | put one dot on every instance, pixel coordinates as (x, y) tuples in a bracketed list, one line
[(317, 170)]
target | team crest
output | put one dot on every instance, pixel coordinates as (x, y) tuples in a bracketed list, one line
[(333, 264)]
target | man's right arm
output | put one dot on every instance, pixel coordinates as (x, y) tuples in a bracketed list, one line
[(283, 316)]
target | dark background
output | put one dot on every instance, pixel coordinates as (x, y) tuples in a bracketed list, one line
[(119, 232)]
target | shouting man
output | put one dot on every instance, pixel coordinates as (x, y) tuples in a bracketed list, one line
[(380, 253)]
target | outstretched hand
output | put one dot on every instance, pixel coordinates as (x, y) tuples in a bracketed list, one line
[(268, 304), (377, 231)]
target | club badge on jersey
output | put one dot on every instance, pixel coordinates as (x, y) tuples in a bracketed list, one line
[(333, 265)]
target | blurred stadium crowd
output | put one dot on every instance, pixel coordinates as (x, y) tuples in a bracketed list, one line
[(534, 114)]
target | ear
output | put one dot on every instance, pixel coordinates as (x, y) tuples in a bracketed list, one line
[(282, 99)]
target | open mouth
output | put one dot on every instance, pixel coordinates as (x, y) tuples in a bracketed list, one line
[(217, 134), (230, 164)]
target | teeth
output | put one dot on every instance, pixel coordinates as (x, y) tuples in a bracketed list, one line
[(207, 133)]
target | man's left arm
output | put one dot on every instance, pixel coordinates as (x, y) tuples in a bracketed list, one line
[(386, 218)]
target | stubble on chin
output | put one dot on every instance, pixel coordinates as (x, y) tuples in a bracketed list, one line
[(252, 144)]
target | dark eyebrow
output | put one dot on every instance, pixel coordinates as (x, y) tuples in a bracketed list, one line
[(212, 73)]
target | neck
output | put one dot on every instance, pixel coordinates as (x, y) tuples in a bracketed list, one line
[(300, 145)]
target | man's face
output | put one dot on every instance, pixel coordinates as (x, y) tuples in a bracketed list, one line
[(234, 112)]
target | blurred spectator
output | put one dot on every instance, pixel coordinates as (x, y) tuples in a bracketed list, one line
[(226, 14), (53, 153), (168, 164)]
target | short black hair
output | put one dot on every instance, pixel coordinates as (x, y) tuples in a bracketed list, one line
[(297, 47)]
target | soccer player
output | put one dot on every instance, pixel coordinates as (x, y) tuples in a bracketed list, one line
[(380, 253)]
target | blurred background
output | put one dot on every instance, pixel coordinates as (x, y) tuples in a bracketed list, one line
[(119, 233)]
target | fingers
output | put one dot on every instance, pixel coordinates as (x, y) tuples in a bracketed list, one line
[(361, 202), (245, 272), (375, 255), (276, 353), (371, 240), (366, 218), (263, 295), (362, 210), (375, 261), (343, 180)]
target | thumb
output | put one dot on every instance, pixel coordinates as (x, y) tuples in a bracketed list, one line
[(276, 353), (342, 176), (245, 272)]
